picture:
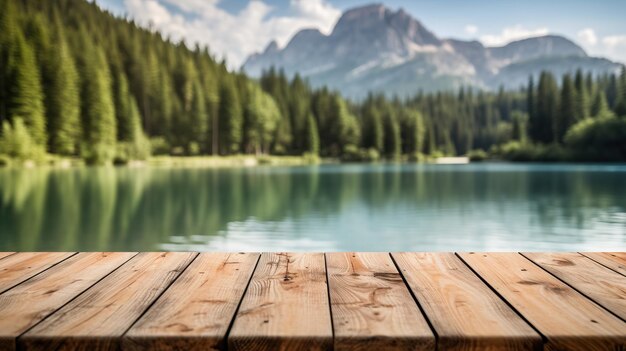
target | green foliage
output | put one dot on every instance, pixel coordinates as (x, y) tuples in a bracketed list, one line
[(90, 84), (543, 122), (599, 139), (477, 155), (600, 105), (62, 96), (231, 118), (312, 144), (17, 142), (262, 117), (159, 146), (620, 100), (569, 110), (5, 161), (520, 126), (139, 148), (526, 152), (26, 97), (353, 154)]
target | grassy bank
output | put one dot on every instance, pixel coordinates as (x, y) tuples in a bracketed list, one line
[(172, 161)]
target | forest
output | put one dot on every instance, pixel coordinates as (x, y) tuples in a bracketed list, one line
[(76, 81)]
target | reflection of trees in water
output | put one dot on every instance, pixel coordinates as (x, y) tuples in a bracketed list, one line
[(136, 209)]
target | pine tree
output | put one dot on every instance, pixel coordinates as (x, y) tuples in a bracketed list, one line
[(531, 108), (312, 144), (568, 107), (543, 127), (519, 121), (63, 97), (413, 131), (582, 108), (128, 120), (262, 115), (600, 105), (8, 34), (97, 106), (374, 131), (620, 104), (393, 142), (26, 98), (230, 118)]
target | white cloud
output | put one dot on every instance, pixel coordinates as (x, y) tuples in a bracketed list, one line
[(471, 29), (614, 47), (610, 46), (587, 36), (615, 41), (234, 36), (510, 34)]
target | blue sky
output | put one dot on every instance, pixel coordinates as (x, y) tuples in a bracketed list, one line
[(236, 28)]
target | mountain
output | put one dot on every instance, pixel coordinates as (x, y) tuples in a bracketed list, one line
[(373, 48)]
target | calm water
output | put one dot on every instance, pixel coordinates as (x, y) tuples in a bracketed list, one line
[(323, 208)]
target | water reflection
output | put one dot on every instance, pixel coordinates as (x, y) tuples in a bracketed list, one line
[(349, 207)]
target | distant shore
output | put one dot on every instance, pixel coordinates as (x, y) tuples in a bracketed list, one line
[(220, 161)]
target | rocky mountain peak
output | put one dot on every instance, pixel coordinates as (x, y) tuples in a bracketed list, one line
[(374, 48)]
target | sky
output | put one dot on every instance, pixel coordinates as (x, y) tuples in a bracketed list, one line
[(234, 29)]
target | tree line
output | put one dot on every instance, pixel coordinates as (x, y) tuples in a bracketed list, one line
[(76, 81)]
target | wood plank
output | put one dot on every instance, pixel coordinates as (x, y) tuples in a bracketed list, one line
[(465, 313), (5, 254), (17, 268), (30, 302), (614, 260), (566, 318), (604, 286), (371, 306), (196, 311), (96, 319), (286, 306)]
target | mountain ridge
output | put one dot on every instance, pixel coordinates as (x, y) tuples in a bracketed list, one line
[(373, 48)]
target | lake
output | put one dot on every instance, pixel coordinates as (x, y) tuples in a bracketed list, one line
[(379, 207)]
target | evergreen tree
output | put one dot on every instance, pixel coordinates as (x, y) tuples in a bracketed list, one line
[(62, 97), (262, 116), (413, 131), (230, 118), (519, 121), (543, 126), (582, 108), (393, 143), (600, 105), (374, 133), (128, 120), (530, 101), (569, 108), (26, 98), (8, 34), (97, 106), (312, 144), (620, 104)]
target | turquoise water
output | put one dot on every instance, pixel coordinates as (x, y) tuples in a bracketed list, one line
[(382, 207)]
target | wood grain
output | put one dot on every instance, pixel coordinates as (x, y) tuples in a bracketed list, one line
[(17, 268), (196, 311), (286, 306), (97, 319), (5, 254), (464, 312), (604, 286), (614, 260), (30, 302), (372, 307), (566, 318)]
